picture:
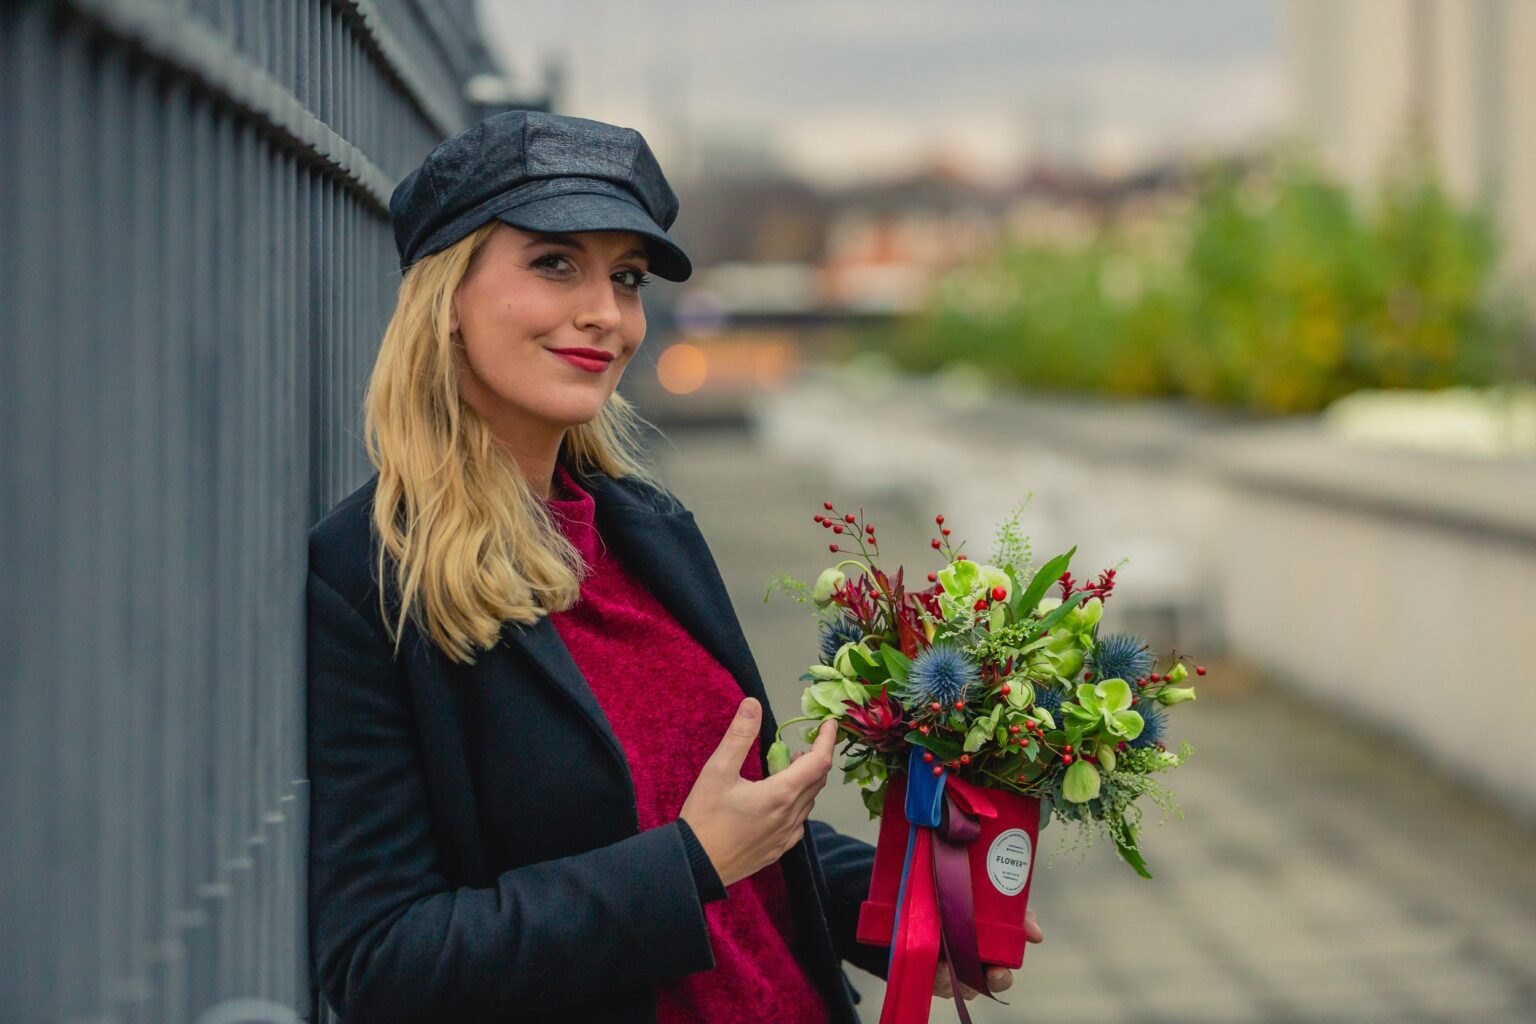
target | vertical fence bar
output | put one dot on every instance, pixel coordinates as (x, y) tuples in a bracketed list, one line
[(194, 282)]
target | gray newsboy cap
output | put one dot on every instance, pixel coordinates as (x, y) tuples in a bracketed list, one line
[(539, 172)]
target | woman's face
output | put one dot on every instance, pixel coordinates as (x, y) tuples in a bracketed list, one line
[(528, 295)]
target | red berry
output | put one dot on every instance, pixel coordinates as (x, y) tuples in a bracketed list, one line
[(945, 531), (1005, 689), (938, 769), (998, 593), (831, 547), (1087, 677), (965, 758), (961, 558), (935, 706), (1067, 749), (933, 577), (1135, 700), (959, 704), (1120, 745), (939, 520), (935, 542), (1090, 759), (1141, 682), (870, 528), (1154, 677), (981, 605), (826, 524), (923, 729), (1021, 778), (827, 505), (1066, 758), (928, 756), (1199, 670), (850, 518), (819, 517), (1013, 729), (838, 528)]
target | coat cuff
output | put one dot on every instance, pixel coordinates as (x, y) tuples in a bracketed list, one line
[(704, 875)]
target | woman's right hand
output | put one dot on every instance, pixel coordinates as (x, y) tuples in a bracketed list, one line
[(744, 825)]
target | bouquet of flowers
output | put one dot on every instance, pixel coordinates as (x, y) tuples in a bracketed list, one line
[(972, 709)]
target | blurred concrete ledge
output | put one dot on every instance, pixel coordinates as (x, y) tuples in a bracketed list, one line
[(1397, 587)]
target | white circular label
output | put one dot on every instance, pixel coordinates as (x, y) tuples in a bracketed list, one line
[(1008, 861)]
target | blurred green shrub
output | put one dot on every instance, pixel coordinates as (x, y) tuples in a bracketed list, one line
[(1270, 290)]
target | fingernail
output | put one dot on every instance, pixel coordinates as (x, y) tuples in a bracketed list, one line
[(748, 708)]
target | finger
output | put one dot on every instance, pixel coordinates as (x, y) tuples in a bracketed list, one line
[(1032, 930), (999, 978), (732, 750), (805, 772)]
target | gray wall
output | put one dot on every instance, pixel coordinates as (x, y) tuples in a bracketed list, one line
[(195, 271)]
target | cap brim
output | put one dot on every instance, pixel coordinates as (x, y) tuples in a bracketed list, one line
[(595, 211)]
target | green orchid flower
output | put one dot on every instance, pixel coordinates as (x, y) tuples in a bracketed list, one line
[(828, 581), (964, 578), (1175, 694), (1081, 783), (778, 757), (1106, 705)]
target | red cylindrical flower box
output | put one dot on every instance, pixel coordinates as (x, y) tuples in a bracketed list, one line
[(1001, 861)]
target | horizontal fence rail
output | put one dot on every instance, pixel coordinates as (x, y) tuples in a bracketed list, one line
[(196, 273)]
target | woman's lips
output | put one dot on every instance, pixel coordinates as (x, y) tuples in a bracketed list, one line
[(587, 363)]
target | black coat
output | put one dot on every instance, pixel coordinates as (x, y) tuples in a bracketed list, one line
[(424, 905)]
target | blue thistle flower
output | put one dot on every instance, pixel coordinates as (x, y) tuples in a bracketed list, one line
[(834, 635), (1154, 725), (1050, 698), (941, 673), (1120, 656)]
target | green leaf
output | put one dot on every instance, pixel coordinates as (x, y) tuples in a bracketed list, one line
[(1081, 783), (1049, 573), (1125, 843), (872, 669), (944, 748), (896, 664), (874, 801), (1001, 735), (1061, 611)]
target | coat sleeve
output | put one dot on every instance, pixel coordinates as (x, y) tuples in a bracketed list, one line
[(847, 864), (392, 940)]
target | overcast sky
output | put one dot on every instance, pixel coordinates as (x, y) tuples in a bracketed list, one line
[(846, 88)]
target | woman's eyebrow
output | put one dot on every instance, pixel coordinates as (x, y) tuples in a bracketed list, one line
[(575, 243)]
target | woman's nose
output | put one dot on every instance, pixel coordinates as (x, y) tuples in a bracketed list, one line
[(598, 306)]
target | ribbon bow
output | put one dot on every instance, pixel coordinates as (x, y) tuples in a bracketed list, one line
[(934, 905)]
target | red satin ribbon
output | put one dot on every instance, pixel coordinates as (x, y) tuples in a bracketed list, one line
[(937, 913)]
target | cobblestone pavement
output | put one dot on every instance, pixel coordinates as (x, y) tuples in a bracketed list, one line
[(1319, 874)]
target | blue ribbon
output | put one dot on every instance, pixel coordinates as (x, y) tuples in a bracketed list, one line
[(925, 808)]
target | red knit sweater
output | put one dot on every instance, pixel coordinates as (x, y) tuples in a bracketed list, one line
[(669, 702)]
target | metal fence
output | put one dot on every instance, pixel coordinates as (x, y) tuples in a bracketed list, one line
[(195, 270)]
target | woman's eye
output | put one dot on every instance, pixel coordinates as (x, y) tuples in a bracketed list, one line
[(637, 278)]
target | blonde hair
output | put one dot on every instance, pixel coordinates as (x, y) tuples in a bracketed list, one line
[(467, 543)]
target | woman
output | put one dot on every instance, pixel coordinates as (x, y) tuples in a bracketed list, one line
[(537, 788)]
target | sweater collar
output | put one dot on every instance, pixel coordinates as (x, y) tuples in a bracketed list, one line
[(575, 510)]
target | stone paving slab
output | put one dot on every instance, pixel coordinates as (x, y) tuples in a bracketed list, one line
[(1321, 873)]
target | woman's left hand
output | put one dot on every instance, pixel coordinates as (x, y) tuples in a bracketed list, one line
[(998, 978)]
